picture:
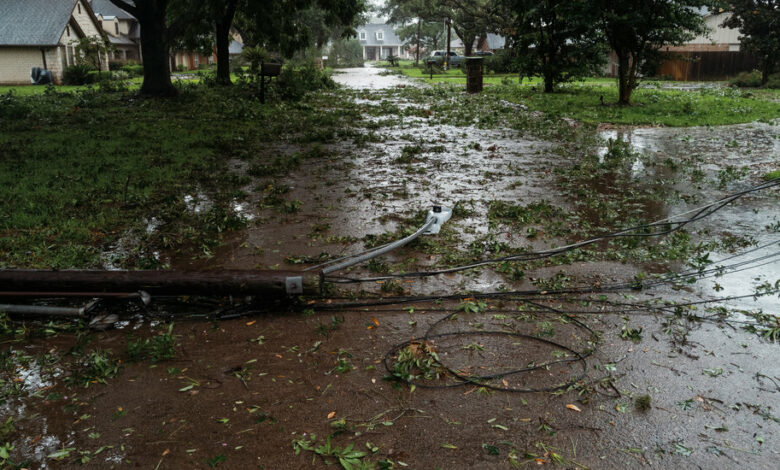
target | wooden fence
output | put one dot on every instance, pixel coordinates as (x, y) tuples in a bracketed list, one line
[(707, 65)]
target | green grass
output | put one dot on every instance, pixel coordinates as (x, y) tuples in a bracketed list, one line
[(28, 90), (649, 106), (78, 171)]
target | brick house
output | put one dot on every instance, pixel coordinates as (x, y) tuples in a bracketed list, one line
[(40, 33)]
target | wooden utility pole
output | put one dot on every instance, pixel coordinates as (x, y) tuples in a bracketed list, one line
[(447, 58), (245, 282)]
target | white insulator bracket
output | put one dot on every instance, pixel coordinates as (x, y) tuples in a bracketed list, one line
[(439, 214)]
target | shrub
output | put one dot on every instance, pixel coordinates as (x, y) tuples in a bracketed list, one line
[(346, 53), (114, 65), (135, 70), (11, 107), (747, 80), (300, 77), (120, 75), (77, 74), (502, 61), (107, 84), (773, 81)]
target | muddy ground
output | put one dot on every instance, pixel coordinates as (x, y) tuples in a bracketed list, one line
[(631, 377)]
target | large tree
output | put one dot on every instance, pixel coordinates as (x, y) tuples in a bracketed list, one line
[(758, 22), (637, 30), (470, 19), (223, 12), (159, 25), (291, 25), (419, 16), (556, 39), (422, 35)]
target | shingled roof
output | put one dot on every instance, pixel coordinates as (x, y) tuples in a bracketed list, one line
[(106, 8), (33, 22)]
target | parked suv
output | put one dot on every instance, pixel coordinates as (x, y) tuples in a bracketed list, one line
[(438, 57)]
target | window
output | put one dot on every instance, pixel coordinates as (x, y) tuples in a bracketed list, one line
[(380, 35), (116, 28), (79, 7), (362, 35), (67, 30)]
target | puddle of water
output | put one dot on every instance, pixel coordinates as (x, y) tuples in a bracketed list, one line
[(368, 77), (755, 145)]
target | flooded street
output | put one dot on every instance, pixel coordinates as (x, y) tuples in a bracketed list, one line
[(649, 351)]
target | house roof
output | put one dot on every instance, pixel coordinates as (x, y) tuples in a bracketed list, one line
[(390, 39), (494, 41), (121, 40), (235, 47), (106, 8), (34, 22)]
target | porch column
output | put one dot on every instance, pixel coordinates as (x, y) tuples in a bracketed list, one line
[(380, 53)]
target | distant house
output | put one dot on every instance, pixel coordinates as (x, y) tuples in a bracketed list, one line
[(40, 33), (491, 42), (122, 30), (189, 60), (714, 56), (380, 41), (719, 38)]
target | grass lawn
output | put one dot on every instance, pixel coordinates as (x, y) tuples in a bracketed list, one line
[(656, 104), (79, 171), (650, 106), (27, 90)]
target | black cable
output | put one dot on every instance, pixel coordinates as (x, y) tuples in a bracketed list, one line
[(481, 380), (633, 285), (699, 213)]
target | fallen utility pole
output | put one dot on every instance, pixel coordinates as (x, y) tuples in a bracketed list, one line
[(48, 310), (243, 282)]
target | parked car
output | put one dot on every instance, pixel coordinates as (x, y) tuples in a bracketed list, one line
[(438, 57)]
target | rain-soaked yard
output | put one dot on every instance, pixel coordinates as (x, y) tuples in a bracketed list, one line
[(643, 351)]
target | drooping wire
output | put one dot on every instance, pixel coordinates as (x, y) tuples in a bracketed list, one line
[(669, 227)]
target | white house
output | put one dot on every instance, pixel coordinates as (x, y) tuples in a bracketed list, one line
[(40, 33), (380, 41)]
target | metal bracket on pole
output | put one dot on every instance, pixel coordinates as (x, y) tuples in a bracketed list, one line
[(294, 285), (439, 215)]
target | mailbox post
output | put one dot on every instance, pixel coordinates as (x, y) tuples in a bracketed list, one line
[(267, 69), (474, 74)]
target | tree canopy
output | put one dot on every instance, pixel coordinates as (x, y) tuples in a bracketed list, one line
[(288, 25), (557, 39), (636, 30), (758, 22)]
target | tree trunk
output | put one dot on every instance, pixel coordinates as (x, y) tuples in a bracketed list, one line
[(624, 90), (223, 24), (765, 66), (154, 46), (549, 82), (417, 52), (468, 47)]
